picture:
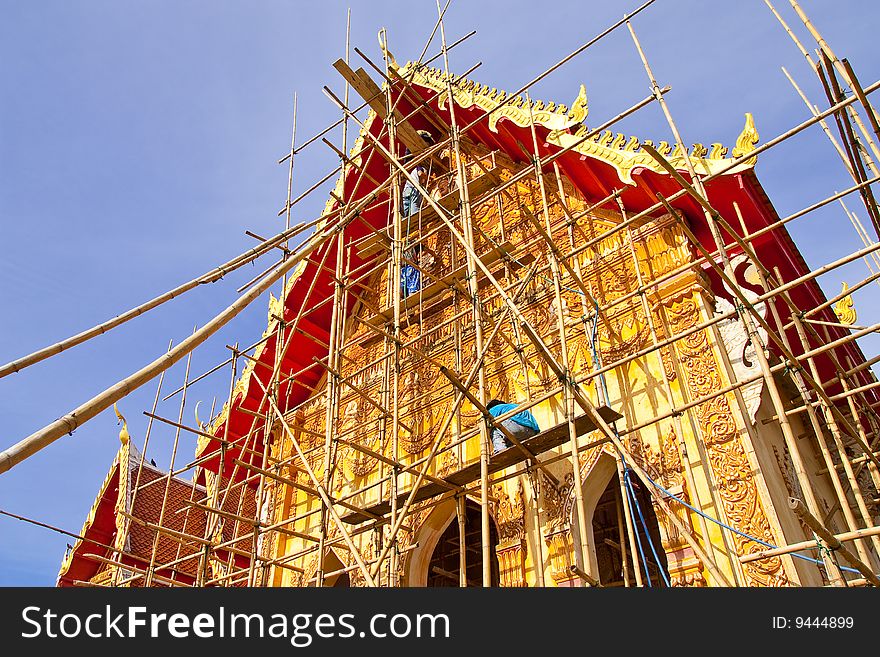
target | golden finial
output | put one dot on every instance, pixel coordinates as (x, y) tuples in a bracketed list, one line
[(845, 308), (383, 44), (123, 434), (579, 108), (747, 140), (203, 427)]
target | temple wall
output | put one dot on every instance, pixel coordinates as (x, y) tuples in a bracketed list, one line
[(715, 436)]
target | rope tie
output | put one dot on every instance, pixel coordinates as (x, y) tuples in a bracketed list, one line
[(823, 548)]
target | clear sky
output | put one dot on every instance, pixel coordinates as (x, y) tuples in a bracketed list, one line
[(138, 141)]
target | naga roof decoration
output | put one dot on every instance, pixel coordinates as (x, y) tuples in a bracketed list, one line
[(845, 308), (567, 127)]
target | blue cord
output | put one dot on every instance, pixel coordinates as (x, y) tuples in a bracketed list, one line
[(736, 531), (630, 501), (632, 492)]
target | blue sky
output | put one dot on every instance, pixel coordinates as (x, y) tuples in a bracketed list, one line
[(138, 141)]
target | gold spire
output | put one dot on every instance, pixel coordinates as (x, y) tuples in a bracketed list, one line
[(123, 434), (383, 44)]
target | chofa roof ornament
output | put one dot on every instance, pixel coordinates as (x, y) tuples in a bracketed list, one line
[(747, 140)]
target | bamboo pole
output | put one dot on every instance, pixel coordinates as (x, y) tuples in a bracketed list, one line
[(621, 537), (681, 444), (728, 275), (580, 505), (836, 482), (86, 411), (122, 538), (460, 509), (811, 544), (544, 354), (845, 74), (838, 442), (330, 414), (151, 568), (211, 276), (833, 543), (473, 292), (324, 496)]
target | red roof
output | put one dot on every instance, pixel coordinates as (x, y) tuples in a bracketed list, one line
[(103, 525)]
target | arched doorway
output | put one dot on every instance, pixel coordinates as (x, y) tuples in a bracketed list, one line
[(333, 578), (609, 528), (444, 567), (608, 533)]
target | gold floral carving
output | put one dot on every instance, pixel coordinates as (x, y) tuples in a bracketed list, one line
[(557, 508), (557, 499), (423, 411), (664, 464), (560, 549), (726, 454)]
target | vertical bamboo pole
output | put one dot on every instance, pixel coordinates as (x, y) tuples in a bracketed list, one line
[(151, 568), (259, 520), (630, 521), (332, 394), (460, 510), (126, 526), (289, 190), (399, 240), (537, 491), (563, 348), (211, 520), (595, 314), (681, 445), (473, 291), (621, 537)]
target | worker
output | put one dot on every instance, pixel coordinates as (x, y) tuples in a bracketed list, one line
[(411, 201), (521, 426), (411, 204)]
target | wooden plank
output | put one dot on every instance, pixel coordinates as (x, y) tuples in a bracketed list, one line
[(373, 94), (537, 444)]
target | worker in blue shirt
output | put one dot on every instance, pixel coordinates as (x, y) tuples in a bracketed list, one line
[(522, 425)]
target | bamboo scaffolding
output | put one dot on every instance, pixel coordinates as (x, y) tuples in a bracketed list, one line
[(404, 334), (545, 354)]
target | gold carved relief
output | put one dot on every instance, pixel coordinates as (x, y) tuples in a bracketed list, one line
[(726, 454), (511, 550)]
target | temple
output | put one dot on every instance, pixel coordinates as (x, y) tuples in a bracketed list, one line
[(705, 416)]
